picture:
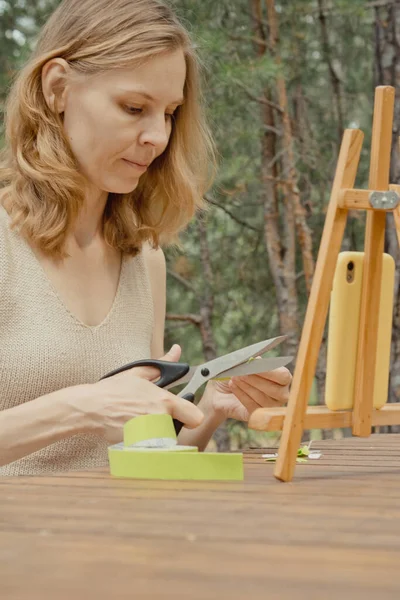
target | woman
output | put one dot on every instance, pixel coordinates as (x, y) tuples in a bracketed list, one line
[(108, 157)]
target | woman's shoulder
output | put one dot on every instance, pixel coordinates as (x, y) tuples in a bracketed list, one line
[(11, 246), (154, 258), (4, 216), (4, 228), (149, 263), (6, 251), (155, 263), (147, 269), (7, 235)]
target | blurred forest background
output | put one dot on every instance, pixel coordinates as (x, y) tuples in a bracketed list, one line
[(282, 80)]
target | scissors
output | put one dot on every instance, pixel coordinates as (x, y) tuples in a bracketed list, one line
[(239, 362)]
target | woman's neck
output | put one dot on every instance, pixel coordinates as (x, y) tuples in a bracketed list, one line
[(87, 227)]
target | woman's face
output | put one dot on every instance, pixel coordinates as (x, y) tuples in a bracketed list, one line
[(120, 116)]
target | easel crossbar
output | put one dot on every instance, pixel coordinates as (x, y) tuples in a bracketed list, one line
[(320, 417)]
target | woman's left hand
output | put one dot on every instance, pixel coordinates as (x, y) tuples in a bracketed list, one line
[(240, 396)]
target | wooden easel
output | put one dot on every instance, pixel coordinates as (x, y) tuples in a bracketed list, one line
[(298, 416)]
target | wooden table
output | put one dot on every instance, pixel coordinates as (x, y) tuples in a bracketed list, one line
[(334, 532)]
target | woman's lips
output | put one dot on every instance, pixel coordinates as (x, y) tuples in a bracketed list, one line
[(137, 166)]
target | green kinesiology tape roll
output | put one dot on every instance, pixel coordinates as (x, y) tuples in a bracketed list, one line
[(205, 466), (150, 430), (150, 451)]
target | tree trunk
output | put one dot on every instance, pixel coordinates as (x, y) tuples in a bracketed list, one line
[(288, 161), (279, 231), (334, 77)]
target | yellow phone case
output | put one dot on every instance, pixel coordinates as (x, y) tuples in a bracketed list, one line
[(343, 331)]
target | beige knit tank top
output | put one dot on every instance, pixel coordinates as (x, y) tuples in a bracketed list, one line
[(43, 347)]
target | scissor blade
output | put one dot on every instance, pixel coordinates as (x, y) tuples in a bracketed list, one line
[(261, 365), (211, 369), (229, 361)]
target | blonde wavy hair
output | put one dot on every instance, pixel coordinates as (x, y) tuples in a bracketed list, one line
[(42, 188)]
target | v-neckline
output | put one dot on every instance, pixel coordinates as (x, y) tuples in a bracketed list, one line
[(55, 292)]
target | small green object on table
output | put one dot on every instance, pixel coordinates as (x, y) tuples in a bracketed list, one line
[(303, 454)]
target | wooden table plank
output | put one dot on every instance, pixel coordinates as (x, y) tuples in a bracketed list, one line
[(333, 532)]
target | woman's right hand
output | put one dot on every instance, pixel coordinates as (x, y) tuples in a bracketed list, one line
[(112, 401)]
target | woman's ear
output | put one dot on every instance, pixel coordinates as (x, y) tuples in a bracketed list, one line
[(54, 83)]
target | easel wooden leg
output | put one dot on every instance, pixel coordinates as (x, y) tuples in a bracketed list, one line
[(318, 305), (372, 271)]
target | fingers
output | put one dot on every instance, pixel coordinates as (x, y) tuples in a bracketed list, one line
[(149, 373), (282, 376), (184, 411), (152, 374), (279, 393), (241, 393), (173, 355), (263, 393)]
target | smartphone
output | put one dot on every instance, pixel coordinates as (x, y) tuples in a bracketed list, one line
[(343, 329)]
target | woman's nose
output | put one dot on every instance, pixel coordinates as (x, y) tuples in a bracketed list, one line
[(156, 132)]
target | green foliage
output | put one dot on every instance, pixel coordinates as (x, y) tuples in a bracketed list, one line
[(245, 307)]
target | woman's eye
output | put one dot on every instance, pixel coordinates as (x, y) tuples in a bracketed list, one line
[(133, 111), (136, 111)]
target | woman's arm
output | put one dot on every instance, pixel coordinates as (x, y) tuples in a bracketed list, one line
[(157, 270), (38, 423), (158, 277), (201, 435)]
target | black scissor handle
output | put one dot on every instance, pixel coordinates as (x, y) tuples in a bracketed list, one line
[(170, 371)]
